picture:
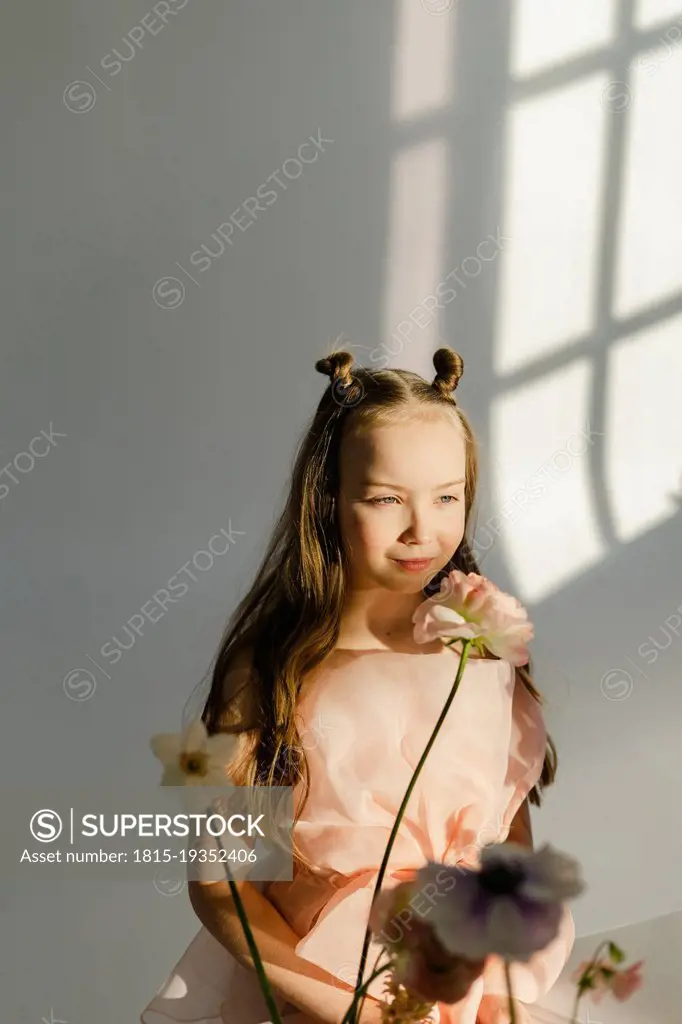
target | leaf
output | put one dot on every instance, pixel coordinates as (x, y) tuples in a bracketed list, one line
[(616, 953)]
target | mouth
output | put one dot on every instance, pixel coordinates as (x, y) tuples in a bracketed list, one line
[(414, 564)]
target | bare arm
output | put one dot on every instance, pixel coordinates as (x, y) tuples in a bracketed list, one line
[(310, 988), (520, 830), (316, 993)]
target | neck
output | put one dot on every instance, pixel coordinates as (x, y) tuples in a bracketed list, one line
[(379, 614)]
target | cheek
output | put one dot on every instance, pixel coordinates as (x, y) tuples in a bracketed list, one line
[(455, 522), (449, 530), (370, 530)]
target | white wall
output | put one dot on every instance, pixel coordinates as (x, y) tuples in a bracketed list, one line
[(530, 125)]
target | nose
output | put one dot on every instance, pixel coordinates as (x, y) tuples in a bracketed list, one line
[(417, 532)]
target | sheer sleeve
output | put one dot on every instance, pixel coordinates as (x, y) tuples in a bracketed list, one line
[(527, 746), (239, 718)]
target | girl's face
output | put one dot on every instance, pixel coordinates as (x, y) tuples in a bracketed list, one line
[(401, 497)]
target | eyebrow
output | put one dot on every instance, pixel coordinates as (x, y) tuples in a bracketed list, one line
[(395, 487)]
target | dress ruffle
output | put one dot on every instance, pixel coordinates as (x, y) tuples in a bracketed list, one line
[(365, 721), (209, 986)]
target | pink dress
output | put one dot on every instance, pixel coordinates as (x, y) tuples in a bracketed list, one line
[(365, 719)]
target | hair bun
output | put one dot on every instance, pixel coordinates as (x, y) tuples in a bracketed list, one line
[(336, 366), (449, 367)]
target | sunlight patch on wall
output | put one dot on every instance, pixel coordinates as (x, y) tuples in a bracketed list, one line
[(652, 12), (649, 265), (551, 207), (424, 62), (644, 428), (545, 33), (415, 249), (542, 497)]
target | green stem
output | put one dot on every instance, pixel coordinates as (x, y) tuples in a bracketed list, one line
[(351, 1012), (251, 942), (581, 991), (258, 963), (512, 1008), (362, 991), (388, 964), (396, 825)]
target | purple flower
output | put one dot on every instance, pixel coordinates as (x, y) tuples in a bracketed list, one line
[(511, 907)]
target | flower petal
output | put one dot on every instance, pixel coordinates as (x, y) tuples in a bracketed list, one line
[(518, 928), (552, 876), (506, 931), (194, 735), (459, 917), (507, 855), (434, 621), (166, 746), (173, 776), (510, 643), (625, 983), (472, 607)]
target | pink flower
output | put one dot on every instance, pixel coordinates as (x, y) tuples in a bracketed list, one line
[(598, 984), (470, 607), (626, 982), (603, 977)]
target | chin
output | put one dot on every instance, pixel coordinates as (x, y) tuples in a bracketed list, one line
[(405, 583), (409, 587)]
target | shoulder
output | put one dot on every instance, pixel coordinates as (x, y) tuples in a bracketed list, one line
[(529, 731)]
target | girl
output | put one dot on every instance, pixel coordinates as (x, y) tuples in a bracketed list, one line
[(319, 677)]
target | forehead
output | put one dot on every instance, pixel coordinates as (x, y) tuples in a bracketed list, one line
[(418, 453)]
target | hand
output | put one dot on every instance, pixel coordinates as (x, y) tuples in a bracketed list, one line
[(371, 1012)]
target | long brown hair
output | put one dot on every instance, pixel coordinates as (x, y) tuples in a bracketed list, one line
[(289, 620)]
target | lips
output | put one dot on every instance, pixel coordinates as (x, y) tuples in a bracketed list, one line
[(414, 563)]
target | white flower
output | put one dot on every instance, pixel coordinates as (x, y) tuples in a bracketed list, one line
[(192, 757)]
